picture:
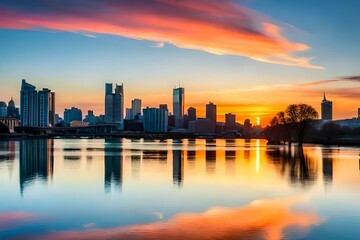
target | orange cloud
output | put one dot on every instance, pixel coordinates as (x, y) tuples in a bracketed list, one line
[(218, 27), (265, 219)]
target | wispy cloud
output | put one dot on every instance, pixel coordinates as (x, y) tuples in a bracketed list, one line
[(158, 45), (218, 27), (354, 78)]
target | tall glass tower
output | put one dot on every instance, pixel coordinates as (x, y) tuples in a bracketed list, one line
[(178, 106), (28, 105), (114, 104)]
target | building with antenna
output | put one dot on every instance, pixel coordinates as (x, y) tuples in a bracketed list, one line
[(326, 109), (178, 106)]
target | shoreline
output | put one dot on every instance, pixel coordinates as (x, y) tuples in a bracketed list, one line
[(346, 142)]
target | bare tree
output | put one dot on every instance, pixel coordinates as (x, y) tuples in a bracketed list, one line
[(294, 120)]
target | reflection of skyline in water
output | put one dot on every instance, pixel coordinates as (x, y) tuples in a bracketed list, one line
[(327, 165), (210, 156), (178, 167), (113, 161), (164, 181), (8, 147), (230, 156), (293, 163), (135, 163), (36, 161)]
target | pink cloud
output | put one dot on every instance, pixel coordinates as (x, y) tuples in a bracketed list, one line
[(218, 27)]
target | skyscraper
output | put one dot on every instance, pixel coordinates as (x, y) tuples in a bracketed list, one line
[(118, 106), (46, 108), (230, 123), (164, 107), (326, 109), (178, 106), (114, 105), (155, 120), (191, 114), (135, 108), (108, 103), (28, 105), (73, 114), (3, 109), (211, 115), (37, 108), (12, 111)]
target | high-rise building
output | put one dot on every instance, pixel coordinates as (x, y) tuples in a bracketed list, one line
[(164, 107), (248, 132), (28, 105), (109, 103), (358, 113), (178, 106), (37, 108), (12, 111), (230, 123), (128, 113), (114, 105), (118, 107), (326, 109), (91, 118), (46, 108), (3, 109), (135, 108), (73, 114), (211, 115), (191, 114), (155, 120)]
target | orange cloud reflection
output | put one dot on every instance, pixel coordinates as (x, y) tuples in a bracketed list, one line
[(265, 219)]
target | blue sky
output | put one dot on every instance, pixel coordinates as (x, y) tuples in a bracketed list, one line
[(76, 66)]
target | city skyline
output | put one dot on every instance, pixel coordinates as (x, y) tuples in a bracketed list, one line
[(221, 116), (49, 53)]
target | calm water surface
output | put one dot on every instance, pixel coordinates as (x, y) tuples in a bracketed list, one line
[(223, 189)]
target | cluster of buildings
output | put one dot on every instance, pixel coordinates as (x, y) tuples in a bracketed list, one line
[(37, 109), (159, 119)]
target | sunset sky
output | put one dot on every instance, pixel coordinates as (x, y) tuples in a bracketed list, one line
[(250, 57)]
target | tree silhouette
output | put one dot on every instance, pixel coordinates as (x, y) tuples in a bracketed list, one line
[(292, 123)]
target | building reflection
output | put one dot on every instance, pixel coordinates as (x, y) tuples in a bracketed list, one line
[(8, 147), (293, 163), (113, 160), (230, 156), (247, 149), (160, 156), (178, 167), (191, 154), (210, 156), (191, 157), (327, 165), (36, 161), (135, 163)]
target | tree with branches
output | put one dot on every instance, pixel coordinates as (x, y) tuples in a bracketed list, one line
[(293, 121)]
